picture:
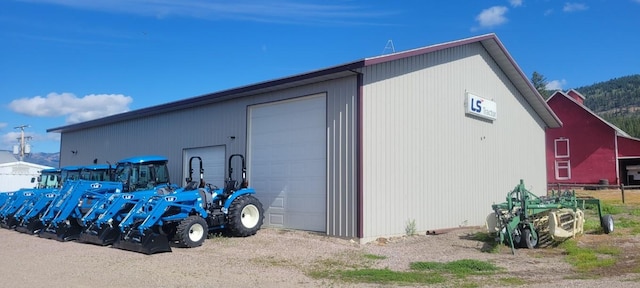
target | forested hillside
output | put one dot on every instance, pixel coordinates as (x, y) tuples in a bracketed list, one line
[(617, 101), (618, 96)]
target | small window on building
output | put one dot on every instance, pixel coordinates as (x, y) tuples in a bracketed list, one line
[(562, 148), (563, 170)]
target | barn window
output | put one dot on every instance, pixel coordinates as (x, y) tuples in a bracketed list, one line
[(563, 170), (562, 148)]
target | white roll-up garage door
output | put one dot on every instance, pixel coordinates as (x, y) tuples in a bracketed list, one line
[(213, 162), (287, 161)]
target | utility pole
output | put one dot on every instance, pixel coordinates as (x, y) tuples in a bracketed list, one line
[(23, 147)]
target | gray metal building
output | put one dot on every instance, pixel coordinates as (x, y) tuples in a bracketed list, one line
[(432, 136)]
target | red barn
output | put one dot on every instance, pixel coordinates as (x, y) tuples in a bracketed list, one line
[(587, 149)]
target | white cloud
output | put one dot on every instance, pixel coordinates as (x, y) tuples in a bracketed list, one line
[(493, 16), (556, 84), (550, 11), (574, 7), (279, 11), (74, 108), (3, 124), (518, 3)]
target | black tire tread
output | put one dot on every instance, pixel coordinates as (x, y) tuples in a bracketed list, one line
[(236, 228), (604, 221), (182, 231)]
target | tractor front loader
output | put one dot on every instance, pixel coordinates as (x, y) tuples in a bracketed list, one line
[(525, 218), (61, 219), (101, 221), (80, 207), (30, 222), (13, 205)]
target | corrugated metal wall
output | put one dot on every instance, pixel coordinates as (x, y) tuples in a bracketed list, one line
[(424, 160), (208, 125)]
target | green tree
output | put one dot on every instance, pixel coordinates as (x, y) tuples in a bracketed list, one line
[(540, 83)]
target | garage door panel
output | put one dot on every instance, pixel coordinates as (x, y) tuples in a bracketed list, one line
[(213, 163), (287, 165)]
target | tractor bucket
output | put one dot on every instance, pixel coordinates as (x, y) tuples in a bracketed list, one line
[(105, 235), (565, 223), (9, 222), (33, 226), (148, 242), (64, 232)]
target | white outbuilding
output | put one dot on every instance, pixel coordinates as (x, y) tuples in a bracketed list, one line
[(427, 138), (15, 174)]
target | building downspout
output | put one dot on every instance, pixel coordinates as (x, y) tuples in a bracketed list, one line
[(359, 180)]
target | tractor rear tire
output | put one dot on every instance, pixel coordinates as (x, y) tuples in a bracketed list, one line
[(192, 231), (245, 216), (529, 241), (607, 223)]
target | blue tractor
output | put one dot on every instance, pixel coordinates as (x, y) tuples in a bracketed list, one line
[(49, 179), (143, 176), (27, 217), (63, 220), (184, 217), (17, 202)]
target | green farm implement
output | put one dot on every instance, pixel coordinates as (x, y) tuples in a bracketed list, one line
[(526, 219)]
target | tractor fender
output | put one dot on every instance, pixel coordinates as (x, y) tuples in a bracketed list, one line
[(236, 194)]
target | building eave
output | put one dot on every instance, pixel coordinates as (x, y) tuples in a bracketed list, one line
[(278, 84)]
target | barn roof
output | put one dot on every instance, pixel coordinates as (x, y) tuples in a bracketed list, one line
[(619, 131), (489, 41)]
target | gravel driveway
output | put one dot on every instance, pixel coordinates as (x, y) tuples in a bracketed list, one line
[(271, 258)]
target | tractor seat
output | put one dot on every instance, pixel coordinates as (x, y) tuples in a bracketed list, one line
[(230, 186), (193, 185)]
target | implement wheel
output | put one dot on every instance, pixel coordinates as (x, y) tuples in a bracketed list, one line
[(607, 223), (245, 216), (192, 231), (529, 241)]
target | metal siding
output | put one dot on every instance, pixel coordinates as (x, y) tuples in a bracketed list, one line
[(425, 160), (211, 125)]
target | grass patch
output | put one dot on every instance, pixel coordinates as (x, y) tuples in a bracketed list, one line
[(421, 273), (374, 257), (611, 209), (489, 240), (460, 268), (512, 281), (624, 222), (588, 259), (386, 276), (592, 224)]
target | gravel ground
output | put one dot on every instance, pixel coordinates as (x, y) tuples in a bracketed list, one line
[(271, 258)]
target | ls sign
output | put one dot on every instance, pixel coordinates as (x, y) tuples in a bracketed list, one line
[(481, 107)]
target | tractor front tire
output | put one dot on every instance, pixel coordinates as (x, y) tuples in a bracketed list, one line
[(192, 231), (245, 216)]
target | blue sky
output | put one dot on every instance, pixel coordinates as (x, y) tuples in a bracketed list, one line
[(68, 61)]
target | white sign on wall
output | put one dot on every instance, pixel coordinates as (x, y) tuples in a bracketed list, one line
[(481, 107)]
